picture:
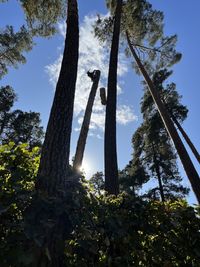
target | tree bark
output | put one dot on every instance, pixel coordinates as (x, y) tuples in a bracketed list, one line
[(86, 122), (54, 161), (187, 139), (110, 146), (53, 178), (157, 169), (182, 152), (184, 134)]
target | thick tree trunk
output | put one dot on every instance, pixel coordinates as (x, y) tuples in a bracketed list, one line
[(54, 161), (86, 122), (187, 139), (51, 184), (110, 146), (182, 152)]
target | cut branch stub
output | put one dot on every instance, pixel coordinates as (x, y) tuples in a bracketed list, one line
[(93, 75), (103, 95)]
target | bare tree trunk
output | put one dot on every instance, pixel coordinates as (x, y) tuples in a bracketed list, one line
[(157, 169), (110, 146), (86, 122), (184, 134), (53, 177), (54, 161), (160, 183), (182, 152), (187, 139)]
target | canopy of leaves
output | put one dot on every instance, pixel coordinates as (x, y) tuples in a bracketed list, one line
[(97, 182), (144, 25), (7, 99), (169, 95), (42, 16), (18, 126), (12, 47), (24, 127), (134, 176)]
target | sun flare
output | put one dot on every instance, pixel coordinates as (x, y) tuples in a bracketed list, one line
[(85, 167)]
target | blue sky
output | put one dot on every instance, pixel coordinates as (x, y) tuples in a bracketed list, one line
[(34, 81)]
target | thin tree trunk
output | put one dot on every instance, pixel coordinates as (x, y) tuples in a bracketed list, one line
[(187, 139), (160, 183), (86, 122), (185, 159), (54, 161), (157, 169), (184, 134), (110, 146)]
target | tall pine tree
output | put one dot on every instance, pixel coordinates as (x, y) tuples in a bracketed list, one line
[(152, 143)]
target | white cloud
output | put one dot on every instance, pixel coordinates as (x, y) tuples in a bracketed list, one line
[(125, 115), (92, 55)]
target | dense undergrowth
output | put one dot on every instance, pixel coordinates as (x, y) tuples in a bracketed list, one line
[(101, 230)]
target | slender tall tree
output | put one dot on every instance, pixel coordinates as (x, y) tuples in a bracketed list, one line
[(95, 76), (54, 161), (110, 146), (152, 144), (182, 152)]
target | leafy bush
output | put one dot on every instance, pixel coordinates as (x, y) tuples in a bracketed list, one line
[(18, 169), (100, 230), (126, 231)]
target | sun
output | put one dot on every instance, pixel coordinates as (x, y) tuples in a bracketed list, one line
[(86, 168)]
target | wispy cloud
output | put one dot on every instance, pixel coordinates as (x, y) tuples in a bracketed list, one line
[(92, 55)]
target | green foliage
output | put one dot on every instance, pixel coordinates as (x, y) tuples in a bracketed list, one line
[(24, 127), (169, 95), (144, 26), (132, 178), (12, 47), (7, 99), (99, 230), (97, 182), (152, 145), (42, 16), (18, 169), (142, 21), (18, 126), (125, 231), (138, 18)]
